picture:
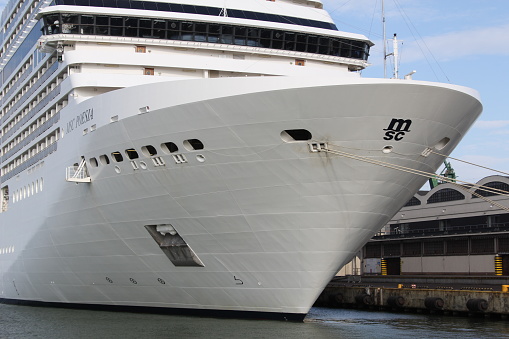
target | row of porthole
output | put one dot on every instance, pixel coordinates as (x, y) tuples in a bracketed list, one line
[(133, 281), (7, 250), (27, 191), (148, 151)]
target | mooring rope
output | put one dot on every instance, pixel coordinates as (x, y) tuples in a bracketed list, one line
[(424, 174), (470, 163)]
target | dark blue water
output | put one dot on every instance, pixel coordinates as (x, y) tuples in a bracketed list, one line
[(36, 322)]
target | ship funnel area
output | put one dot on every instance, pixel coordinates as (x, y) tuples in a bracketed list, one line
[(173, 245)]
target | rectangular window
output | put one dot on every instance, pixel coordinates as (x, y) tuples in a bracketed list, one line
[(146, 28), (117, 26), (412, 249), (160, 29), (433, 247), (148, 71), (482, 245), (503, 245), (392, 250), (373, 250), (457, 246)]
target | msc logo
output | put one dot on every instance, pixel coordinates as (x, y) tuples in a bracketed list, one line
[(397, 128)]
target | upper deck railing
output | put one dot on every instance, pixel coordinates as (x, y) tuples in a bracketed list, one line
[(446, 230)]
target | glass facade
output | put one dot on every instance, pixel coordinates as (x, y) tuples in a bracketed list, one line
[(203, 32)]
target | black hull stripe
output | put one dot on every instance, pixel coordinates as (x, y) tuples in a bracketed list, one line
[(294, 317)]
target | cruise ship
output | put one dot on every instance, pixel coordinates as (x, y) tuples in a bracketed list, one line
[(200, 156)]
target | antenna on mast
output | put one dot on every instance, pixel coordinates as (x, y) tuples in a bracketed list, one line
[(384, 40), (395, 48)]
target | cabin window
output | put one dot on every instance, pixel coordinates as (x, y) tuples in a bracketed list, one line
[(193, 145), (169, 147), (148, 151), (132, 153), (148, 71), (117, 156), (104, 159)]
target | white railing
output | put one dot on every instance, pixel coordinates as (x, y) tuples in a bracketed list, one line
[(78, 173)]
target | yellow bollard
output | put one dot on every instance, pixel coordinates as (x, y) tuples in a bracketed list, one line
[(505, 288), (401, 285)]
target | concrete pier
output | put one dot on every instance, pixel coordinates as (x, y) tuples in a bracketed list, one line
[(412, 297)]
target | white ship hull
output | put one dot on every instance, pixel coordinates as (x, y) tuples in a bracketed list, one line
[(270, 221)]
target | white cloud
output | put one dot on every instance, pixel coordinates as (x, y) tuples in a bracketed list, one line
[(455, 45), (494, 124)]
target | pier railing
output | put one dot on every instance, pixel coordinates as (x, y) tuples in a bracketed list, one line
[(447, 230)]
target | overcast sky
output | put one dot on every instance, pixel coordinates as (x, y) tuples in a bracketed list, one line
[(464, 42)]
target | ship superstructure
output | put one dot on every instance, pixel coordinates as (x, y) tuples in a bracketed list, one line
[(173, 156)]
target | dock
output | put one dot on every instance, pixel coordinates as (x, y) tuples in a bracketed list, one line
[(480, 296)]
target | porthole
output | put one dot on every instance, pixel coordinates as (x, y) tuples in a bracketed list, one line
[(442, 143), (148, 151), (104, 159), (41, 184), (193, 145), (169, 147), (93, 162), (387, 149), (143, 165), (37, 186), (117, 156), (132, 153), (200, 158), (294, 135)]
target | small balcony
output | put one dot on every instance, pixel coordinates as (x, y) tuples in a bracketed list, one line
[(78, 173)]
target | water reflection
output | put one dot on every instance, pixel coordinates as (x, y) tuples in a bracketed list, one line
[(35, 322)]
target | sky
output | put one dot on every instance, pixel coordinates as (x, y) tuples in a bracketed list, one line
[(463, 42)]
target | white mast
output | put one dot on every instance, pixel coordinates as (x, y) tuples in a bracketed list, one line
[(395, 54), (395, 50)]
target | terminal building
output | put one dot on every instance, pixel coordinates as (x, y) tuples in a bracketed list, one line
[(450, 230)]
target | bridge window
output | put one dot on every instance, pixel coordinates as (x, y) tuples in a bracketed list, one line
[(204, 32)]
